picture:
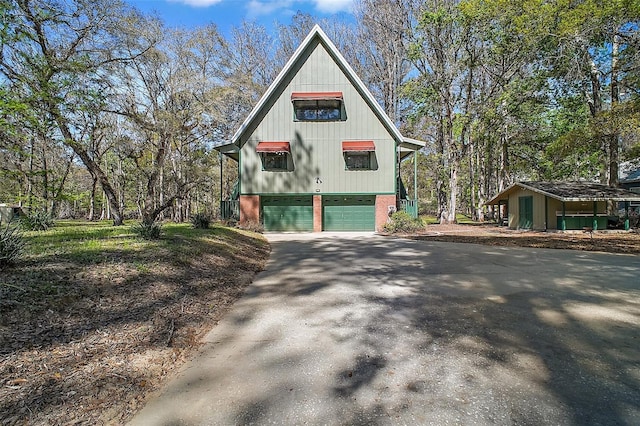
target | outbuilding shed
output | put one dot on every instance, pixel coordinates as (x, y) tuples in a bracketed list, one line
[(560, 205)]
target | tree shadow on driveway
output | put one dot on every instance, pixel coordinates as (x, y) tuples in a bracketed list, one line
[(385, 331)]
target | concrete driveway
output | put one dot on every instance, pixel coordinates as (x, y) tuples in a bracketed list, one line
[(362, 329)]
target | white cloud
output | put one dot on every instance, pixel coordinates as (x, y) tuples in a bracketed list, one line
[(197, 3), (257, 8), (333, 6)]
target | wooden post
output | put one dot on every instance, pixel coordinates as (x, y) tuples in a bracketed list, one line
[(415, 178), (546, 212)]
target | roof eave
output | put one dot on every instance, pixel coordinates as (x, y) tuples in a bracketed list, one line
[(412, 144), (500, 196), (229, 149)]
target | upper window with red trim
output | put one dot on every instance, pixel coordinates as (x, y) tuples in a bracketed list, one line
[(318, 106), (274, 155), (359, 155)]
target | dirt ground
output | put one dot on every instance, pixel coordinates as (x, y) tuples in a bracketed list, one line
[(603, 241), (86, 343)]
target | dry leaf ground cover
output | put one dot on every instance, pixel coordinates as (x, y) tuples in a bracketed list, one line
[(94, 318), (490, 234)]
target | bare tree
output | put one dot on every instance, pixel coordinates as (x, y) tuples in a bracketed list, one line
[(169, 97), (380, 54), (61, 54)]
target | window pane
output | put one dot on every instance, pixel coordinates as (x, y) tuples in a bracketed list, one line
[(275, 161), (358, 161), (329, 103), (318, 110), (307, 114)]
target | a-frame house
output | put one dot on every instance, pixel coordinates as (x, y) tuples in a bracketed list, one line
[(317, 152)]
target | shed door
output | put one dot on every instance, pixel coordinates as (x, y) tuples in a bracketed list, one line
[(525, 212), (287, 213), (349, 213)]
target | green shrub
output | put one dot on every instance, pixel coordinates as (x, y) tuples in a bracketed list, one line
[(403, 222), (38, 220), (11, 245), (200, 221), (148, 231)]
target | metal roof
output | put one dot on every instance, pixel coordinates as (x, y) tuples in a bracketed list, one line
[(570, 191)]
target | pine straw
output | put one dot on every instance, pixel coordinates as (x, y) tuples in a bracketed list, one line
[(86, 343), (492, 235)]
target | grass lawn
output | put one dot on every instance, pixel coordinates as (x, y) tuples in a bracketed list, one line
[(93, 317)]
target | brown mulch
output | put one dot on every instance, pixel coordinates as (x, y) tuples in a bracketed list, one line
[(492, 235), (91, 344)]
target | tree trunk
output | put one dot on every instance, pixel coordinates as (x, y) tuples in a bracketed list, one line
[(440, 181), (91, 165), (30, 174), (503, 174), (45, 178), (594, 100), (151, 208), (92, 201), (614, 138), (472, 183), (482, 183), (454, 165), (57, 192)]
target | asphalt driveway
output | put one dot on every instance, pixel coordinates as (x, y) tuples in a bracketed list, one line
[(362, 329)]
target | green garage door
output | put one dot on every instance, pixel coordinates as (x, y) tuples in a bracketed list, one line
[(287, 213), (349, 213)]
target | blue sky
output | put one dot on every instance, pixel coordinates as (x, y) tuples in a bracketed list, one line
[(229, 13)]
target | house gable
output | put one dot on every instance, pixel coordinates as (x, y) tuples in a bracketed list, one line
[(317, 163), (292, 67)]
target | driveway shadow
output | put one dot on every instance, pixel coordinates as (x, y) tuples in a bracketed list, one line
[(373, 330)]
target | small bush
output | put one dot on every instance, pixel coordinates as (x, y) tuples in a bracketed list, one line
[(200, 221), (38, 220), (252, 226), (148, 231), (402, 222), (11, 245)]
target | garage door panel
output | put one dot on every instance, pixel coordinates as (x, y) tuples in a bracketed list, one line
[(287, 213), (348, 213)]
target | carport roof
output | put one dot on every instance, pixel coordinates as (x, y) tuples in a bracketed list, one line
[(570, 191)]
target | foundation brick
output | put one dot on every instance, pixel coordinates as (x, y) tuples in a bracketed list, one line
[(317, 213), (249, 209), (382, 209)]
